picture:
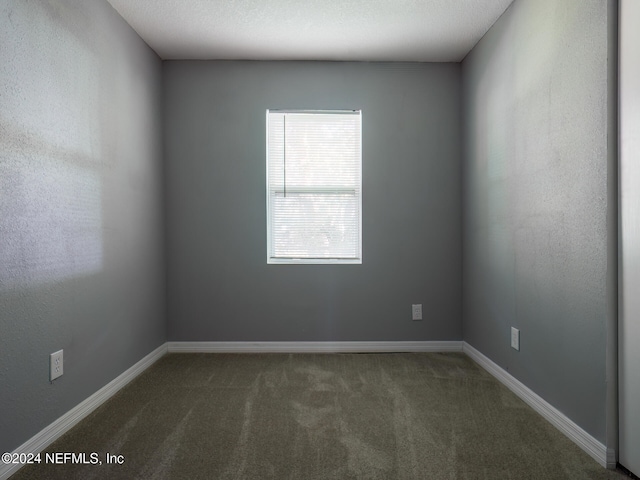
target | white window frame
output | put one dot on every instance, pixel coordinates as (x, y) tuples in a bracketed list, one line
[(293, 260)]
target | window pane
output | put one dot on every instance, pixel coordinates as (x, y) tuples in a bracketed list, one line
[(314, 185), (316, 226)]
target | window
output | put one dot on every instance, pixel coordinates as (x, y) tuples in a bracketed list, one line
[(314, 186)]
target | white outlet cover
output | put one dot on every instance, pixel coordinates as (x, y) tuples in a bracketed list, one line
[(56, 365), (515, 338), (416, 311)]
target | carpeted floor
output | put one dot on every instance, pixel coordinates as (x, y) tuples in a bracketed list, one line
[(324, 416)]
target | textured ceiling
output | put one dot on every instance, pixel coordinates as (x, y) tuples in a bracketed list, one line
[(369, 30)]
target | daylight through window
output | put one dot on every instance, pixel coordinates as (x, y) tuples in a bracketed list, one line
[(314, 186)]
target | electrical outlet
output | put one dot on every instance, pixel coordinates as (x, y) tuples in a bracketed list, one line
[(416, 311), (515, 338), (56, 365)]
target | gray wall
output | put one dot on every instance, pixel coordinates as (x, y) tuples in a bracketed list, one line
[(220, 286), (81, 250), (538, 170)]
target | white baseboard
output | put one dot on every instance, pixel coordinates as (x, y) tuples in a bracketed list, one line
[(597, 450), (49, 434), (605, 457), (612, 459), (313, 347)]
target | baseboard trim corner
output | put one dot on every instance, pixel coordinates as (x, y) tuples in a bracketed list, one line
[(51, 433), (568, 427), (313, 347), (612, 459)]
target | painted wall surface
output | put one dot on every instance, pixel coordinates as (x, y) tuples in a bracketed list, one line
[(537, 235), (81, 250), (220, 287), (629, 330)]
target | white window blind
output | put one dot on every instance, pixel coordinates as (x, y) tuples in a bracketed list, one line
[(314, 186)]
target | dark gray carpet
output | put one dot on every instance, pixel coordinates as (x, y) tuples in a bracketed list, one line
[(305, 416)]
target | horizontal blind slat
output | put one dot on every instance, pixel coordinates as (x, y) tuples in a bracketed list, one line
[(314, 191)]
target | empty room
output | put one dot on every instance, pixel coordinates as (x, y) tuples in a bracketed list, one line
[(259, 239)]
